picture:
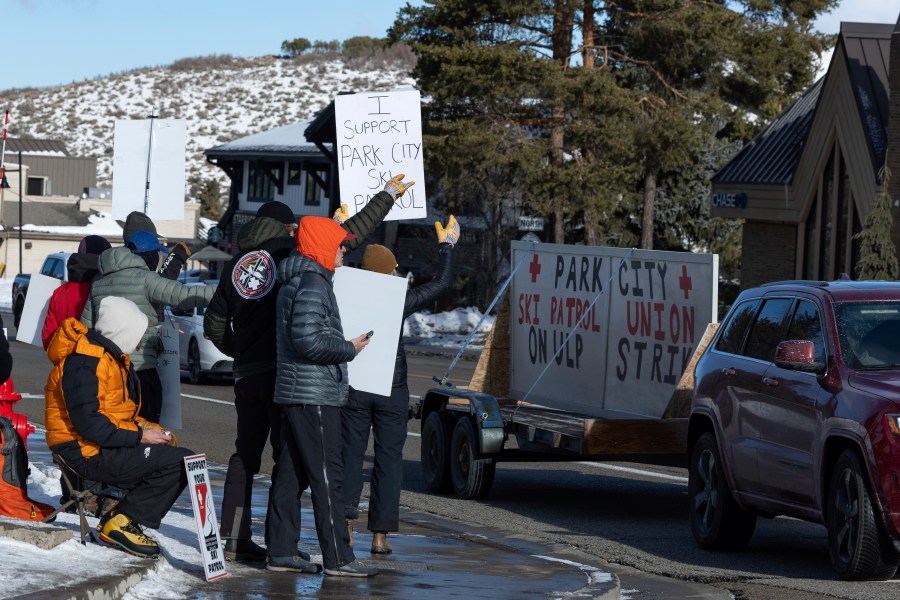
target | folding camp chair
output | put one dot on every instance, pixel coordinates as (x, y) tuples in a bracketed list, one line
[(78, 495)]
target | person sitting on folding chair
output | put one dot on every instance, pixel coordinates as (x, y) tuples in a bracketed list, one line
[(92, 399)]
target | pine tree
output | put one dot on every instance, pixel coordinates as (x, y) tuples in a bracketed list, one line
[(210, 196), (878, 255), (594, 143)]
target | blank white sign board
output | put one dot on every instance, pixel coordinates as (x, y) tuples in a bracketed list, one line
[(135, 159), (34, 313), (371, 302)]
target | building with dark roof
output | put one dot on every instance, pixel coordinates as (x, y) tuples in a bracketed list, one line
[(278, 164), (805, 184), (49, 169)]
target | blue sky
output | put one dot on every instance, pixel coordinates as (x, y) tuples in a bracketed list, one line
[(52, 42)]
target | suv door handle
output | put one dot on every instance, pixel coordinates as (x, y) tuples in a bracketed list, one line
[(729, 371), (770, 381)]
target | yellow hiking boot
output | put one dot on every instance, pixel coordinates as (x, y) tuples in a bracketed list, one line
[(120, 530)]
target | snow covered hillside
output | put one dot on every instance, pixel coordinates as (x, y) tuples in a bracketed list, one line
[(221, 98)]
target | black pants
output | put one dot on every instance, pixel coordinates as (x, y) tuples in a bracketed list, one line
[(153, 476), (386, 416), (151, 395), (310, 455), (257, 417)]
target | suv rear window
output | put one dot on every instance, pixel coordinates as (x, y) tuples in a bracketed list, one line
[(735, 330), (766, 332)]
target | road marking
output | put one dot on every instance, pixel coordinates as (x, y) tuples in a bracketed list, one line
[(213, 400), (620, 469), (30, 396)]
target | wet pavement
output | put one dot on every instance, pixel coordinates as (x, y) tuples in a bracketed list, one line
[(433, 558)]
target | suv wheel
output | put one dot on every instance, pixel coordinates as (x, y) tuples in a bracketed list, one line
[(859, 549), (717, 522)]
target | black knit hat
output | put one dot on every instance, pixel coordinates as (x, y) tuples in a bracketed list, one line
[(278, 211)]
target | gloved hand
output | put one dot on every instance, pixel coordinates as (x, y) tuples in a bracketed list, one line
[(395, 186), (450, 233), (341, 214), (182, 251)]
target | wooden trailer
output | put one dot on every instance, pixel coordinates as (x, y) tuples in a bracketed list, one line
[(616, 387)]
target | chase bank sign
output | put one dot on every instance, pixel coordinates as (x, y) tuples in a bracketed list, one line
[(730, 200)]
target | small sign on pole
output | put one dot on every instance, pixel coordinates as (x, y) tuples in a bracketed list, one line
[(205, 516)]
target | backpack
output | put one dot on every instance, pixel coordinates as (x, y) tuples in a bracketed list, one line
[(14, 500)]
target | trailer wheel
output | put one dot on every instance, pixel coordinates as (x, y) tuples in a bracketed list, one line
[(435, 451), (717, 522), (472, 476)]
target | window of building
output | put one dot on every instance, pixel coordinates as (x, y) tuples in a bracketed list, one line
[(315, 180), (36, 186), (295, 169), (262, 181), (826, 266)]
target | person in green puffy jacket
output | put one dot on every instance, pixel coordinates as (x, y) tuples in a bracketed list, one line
[(130, 272)]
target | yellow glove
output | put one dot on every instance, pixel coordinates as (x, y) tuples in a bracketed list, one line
[(395, 186), (448, 234), (341, 214)]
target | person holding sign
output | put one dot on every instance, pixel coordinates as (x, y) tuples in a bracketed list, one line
[(240, 321), (311, 385), (386, 416), (91, 415)]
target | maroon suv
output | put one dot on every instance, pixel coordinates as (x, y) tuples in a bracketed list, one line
[(796, 411)]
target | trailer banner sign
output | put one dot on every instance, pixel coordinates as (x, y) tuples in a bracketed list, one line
[(606, 332)]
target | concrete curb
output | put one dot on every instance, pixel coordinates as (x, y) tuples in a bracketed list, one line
[(47, 537), (42, 535)]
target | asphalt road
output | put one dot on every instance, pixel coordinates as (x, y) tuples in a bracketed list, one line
[(634, 519)]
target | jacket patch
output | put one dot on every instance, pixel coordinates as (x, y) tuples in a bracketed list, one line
[(254, 275)]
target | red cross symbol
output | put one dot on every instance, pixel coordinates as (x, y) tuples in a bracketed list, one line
[(534, 268), (684, 282)]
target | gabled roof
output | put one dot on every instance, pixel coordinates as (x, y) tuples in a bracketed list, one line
[(771, 158), (32, 147), (281, 141), (867, 48)]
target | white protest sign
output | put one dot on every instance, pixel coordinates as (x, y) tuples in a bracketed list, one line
[(154, 149), (606, 332), (371, 302), (379, 135), (168, 368), (205, 516), (40, 288)]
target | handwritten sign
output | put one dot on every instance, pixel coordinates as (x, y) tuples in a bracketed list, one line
[(205, 516), (379, 135), (606, 332)]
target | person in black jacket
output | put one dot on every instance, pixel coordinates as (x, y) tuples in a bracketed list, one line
[(387, 415), (240, 321)]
